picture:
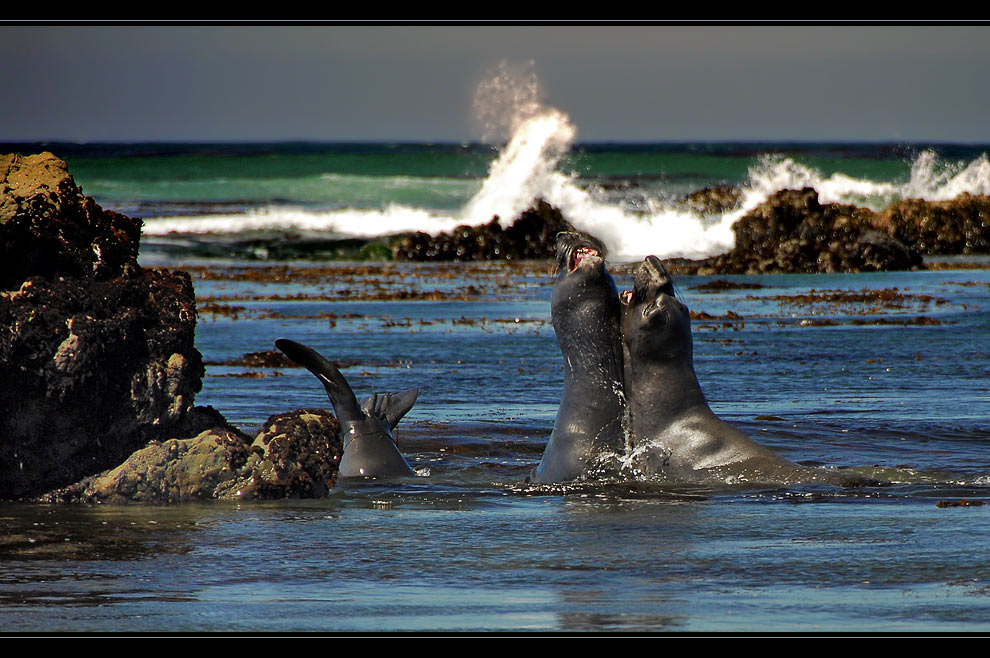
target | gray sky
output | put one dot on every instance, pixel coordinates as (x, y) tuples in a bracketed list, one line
[(416, 83)]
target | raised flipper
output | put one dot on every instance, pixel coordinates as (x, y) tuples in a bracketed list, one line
[(369, 449), (390, 407), (338, 390)]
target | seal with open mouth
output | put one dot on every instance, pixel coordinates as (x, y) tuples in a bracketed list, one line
[(584, 309), (667, 408)]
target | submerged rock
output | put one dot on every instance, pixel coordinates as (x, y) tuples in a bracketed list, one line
[(295, 455), (300, 452), (210, 465)]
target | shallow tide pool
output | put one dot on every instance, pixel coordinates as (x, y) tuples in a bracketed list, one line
[(895, 385)]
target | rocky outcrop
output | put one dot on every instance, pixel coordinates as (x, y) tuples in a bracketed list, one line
[(714, 200), (49, 229), (295, 455), (793, 232), (533, 235), (97, 354), (530, 236), (299, 455), (99, 370), (959, 226)]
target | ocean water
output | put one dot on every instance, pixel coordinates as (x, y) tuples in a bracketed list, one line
[(897, 389), (625, 194), (467, 546)]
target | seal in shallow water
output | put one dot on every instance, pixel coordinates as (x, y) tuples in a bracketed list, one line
[(369, 449), (668, 412), (584, 309)]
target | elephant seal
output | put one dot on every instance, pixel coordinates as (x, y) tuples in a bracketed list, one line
[(369, 449), (584, 310), (674, 432)]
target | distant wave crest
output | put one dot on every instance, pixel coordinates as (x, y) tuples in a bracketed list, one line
[(526, 169)]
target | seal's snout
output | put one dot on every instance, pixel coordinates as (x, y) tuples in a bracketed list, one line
[(650, 281), (653, 276), (655, 267)]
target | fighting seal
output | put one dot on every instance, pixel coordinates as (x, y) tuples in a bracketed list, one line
[(673, 431), (369, 448), (584, 311)]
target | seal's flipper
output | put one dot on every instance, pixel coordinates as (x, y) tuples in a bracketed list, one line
[(338, 390), (390, 407), (369, 449)]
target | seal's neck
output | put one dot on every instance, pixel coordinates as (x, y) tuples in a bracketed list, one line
[(586, 322), (660, 393), (593, 354)]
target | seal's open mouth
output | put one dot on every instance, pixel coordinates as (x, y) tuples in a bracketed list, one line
[(575, 248), (580, 254)]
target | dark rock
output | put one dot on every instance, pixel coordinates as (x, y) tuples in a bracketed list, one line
[(97, 356), (48, 228), (301, 451), (959, 226), (793, 232), (533, 235), (715, 200)]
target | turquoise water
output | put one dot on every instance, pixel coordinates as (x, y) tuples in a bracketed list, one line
[(335, 177), (439, 176), (625, 194)]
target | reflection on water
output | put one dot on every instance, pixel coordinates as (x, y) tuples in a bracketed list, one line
[(470, 547)]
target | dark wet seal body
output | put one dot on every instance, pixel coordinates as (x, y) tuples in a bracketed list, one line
[(369, 449), (674, 433), (584, 309)]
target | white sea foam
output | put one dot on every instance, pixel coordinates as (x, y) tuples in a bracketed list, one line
[(941, 181), (355, 222), (526, 169)]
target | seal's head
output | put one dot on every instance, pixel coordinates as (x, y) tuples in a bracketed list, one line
[(655, 324), (584, 293), (576, 250)]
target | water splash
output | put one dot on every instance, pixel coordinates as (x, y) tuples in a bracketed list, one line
[(930, 179), (936, 181), (669, 231), (510, 102), (509, 95), (525, 170)]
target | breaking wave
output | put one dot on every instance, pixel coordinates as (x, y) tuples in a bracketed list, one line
[(527, 168)]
